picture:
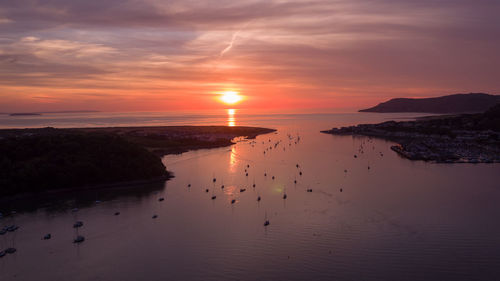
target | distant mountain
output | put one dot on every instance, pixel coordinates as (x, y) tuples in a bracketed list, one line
[(458, 103)]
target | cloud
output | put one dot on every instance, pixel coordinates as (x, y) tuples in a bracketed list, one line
[(323, 49)]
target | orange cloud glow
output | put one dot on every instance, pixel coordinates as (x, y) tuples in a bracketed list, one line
[(150, 55)]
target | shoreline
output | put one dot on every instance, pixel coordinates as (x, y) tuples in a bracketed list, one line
[(466, 138), (97, 149), (103, 186)]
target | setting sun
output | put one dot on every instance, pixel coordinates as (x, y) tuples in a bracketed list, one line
[(230, 97)]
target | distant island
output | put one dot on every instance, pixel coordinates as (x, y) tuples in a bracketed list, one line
[(466, 138), (36, 160), (458, 103), (49, 112), (24, 114)]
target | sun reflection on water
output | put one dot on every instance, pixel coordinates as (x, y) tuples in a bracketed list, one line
[(232, 160), (231, 120)]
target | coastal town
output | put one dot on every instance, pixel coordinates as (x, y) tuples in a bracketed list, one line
[(468, 138)]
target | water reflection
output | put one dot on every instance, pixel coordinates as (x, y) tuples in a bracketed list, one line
[(232, 160), (389, 222), (231, 120)]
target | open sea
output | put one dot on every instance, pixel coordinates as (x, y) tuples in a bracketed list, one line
[(375, 216)]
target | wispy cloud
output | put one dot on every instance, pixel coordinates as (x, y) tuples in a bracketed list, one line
[(335, 52)]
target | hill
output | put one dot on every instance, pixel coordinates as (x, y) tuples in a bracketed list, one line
[(458, 103)]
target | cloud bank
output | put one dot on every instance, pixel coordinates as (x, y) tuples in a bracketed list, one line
[(159, 55)]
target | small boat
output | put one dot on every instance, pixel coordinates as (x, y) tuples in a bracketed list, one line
[(117, 213), (154, 216), (79, 239), (47, 236), (10, 250), (77, 224), (309, 190), (161, 199), (12, 228)]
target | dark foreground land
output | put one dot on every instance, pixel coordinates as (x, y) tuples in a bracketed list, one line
[(467, 138), (35, 160)]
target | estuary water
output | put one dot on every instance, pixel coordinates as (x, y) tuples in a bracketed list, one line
[(369, 215)]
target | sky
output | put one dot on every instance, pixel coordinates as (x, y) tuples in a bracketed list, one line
[(152, 55)]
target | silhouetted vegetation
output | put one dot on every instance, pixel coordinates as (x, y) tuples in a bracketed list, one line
[(34, 160), (57, 159)]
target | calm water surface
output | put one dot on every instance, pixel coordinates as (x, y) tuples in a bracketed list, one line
[(397, 220)]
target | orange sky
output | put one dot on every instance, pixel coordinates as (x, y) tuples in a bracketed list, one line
[(294, 55)]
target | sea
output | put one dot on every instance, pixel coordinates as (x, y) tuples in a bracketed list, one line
[(338, 207)]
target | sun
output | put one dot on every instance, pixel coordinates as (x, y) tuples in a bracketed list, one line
[(230, 97)]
